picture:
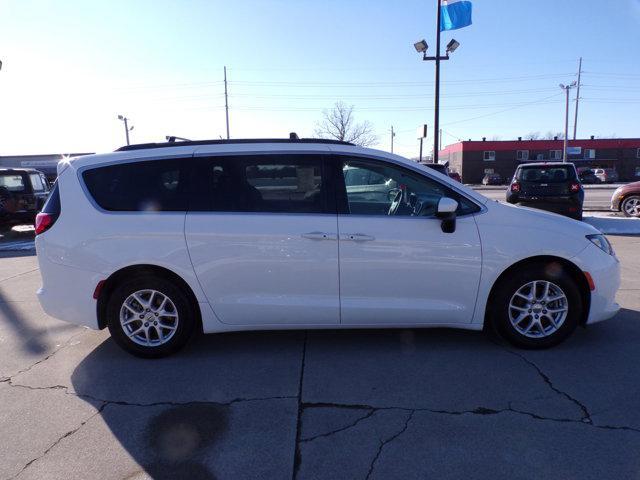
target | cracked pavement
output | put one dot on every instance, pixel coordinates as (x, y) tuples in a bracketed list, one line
[(324, 404)]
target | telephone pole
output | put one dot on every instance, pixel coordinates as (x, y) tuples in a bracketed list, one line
[(127, 129), (226, 100), (566, 89), (393, 134), (575, 122)]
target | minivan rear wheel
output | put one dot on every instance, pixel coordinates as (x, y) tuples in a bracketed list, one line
[(536, 307), (150, 317)]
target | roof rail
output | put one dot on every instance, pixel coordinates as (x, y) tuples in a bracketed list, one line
[(143, 146)]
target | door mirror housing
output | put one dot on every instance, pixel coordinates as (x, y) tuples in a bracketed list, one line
[(446, 211)]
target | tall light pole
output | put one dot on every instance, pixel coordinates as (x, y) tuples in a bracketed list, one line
[(566, 88), (575, 122), (127, 129), (421, 47), (226, 101)]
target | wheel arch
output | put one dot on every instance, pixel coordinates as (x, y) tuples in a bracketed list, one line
[(571, 268), (137, 270)]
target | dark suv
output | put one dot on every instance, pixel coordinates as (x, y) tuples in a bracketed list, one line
[(23, 192), (554, 187)]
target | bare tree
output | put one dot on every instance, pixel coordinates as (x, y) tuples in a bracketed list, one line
[(532, 136), (339, 124), (552, 135)]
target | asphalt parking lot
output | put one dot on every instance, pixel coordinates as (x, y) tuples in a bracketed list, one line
[(354, 405)]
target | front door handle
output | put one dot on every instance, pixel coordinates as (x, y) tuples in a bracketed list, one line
[(358, 237), (319, 236)]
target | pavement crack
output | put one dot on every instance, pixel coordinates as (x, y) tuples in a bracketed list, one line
[(62, 346), (60, 439), (341, 429), (297, 456), (586, 415), (384, 443)]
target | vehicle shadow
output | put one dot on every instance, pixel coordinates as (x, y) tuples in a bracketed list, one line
[(174, 415), (178, 414)]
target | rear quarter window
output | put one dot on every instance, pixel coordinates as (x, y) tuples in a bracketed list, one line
[(150, 186)]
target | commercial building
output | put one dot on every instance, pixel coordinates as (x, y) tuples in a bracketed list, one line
[(474, 159), (45, 163)]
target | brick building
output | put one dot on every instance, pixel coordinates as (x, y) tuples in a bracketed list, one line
[(473, 159)]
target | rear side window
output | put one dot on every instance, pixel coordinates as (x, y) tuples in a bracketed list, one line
[(13, 183), (276, 183), (153, 186)]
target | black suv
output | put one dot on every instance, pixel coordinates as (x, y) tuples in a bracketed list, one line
[(554, 187), (23, 192)]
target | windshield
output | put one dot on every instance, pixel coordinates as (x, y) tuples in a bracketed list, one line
[(554, 174)]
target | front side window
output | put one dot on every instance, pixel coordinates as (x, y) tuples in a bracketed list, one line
[(399, 191), (153, 186), (36, 182), (489, 155), (278, 183)]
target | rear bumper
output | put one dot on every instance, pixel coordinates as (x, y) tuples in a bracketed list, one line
[(67, 292), (569, 208)]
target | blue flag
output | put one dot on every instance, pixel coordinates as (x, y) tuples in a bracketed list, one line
[(455, 14)]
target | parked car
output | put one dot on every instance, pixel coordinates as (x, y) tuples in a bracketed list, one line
[(156, 241), (586, 176), (626, 199), (456, 176), (438, 167), (606, 175), (23, 192), (492, 179), (548, 186)]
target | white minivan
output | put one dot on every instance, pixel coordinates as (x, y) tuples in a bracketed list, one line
[(158, 241)]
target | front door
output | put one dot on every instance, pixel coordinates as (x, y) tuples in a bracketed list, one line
[(397, 266), (262, 236)]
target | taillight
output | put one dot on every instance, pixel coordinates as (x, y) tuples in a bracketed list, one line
[(515, 187), (575, 187), (44, 222)]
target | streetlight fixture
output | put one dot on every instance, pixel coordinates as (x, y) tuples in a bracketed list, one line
[(452, 45), (421, 47), (566, 88), (127, 129)]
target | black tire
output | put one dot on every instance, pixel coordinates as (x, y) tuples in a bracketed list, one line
[(186, 318), (504, 292), (625, 204)]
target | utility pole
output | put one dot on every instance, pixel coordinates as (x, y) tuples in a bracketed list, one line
[(420, 156), (566, 89), (575, 122), (440, 137), (393, 134), (127, 129), (226, 100)]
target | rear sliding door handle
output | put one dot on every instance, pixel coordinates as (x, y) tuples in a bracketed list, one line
[(319, 236), (358, 237)]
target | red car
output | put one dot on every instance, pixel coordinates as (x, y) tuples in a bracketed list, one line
[(626, 199)]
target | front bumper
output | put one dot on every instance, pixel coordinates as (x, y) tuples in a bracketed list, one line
[(605, 271)]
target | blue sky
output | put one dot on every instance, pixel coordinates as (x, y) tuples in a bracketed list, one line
[(70, 67)]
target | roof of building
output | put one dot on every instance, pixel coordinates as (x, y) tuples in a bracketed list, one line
[(509, 145)]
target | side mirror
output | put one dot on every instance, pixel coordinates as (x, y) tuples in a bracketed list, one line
[(446, 211)]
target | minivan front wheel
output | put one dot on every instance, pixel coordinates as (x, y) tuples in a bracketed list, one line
[(538, 307), (149, 317)]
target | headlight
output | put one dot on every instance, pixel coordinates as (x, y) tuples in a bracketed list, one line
[(602, 243)]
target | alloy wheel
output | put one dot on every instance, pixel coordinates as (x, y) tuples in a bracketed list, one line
[(538, 309), (149, 318), (632, 207)]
